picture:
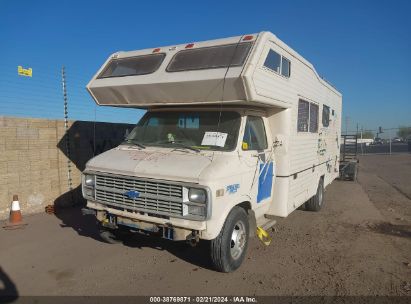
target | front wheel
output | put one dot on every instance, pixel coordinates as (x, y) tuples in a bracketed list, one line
[(228, 249)]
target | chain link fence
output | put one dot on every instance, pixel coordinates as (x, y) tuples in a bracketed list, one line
[(383, 140), (41, 96)]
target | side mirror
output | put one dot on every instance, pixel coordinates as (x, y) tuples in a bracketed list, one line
[(126, 134)]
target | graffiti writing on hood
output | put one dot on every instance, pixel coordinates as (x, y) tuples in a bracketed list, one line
[(141, 155)]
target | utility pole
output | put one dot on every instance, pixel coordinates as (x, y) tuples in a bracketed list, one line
[(346, 124), (69, 180)]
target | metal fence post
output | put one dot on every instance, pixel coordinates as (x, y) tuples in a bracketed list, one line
[(63, 78)]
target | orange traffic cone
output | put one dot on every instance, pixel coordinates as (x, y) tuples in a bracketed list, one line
[(15, 219)]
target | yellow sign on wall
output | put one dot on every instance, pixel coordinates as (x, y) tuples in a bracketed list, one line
[(24, 72)]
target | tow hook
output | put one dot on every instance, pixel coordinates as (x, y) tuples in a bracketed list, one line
[(193, 239), (108, 224)]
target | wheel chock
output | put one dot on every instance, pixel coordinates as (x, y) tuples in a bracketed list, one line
[(263, 236)]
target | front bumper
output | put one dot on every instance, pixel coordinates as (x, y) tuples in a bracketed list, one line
[(181, 227)]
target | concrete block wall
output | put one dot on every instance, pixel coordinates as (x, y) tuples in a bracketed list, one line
[(34, 159)]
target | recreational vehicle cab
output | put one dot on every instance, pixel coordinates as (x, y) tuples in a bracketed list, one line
[(238, 131)]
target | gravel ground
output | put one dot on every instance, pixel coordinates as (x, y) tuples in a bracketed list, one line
[(359, 244)]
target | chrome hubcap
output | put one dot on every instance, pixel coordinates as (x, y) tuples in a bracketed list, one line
[(238, 240)]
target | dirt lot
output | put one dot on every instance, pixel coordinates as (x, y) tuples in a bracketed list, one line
[(359, 244)]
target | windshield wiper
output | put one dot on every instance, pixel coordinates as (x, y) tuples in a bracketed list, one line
[(134, 142), (179, 144)]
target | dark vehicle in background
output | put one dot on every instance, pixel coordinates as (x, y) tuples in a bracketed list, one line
[(377, 141)]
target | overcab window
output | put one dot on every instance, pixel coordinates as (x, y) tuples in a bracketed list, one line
[(132, 66), (221, 56)]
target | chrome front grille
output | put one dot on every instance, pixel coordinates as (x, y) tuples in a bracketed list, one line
[(154, 197)]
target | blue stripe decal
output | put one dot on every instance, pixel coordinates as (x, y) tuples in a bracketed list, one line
[(265, 181)]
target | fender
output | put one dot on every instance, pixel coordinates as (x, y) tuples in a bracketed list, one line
[(218, 223), (253, 222)]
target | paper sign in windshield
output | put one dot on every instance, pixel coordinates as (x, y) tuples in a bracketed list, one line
[(214, 139)]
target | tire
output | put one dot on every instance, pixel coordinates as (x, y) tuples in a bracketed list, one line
[(229, 248), (317, 201), (355, 173)]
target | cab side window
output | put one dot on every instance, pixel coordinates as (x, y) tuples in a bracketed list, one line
[(254, 134)]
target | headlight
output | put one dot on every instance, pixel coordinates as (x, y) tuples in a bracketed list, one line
[(89, 180), (89, 183), (197, 195), (197, 210), (195, 203), (88, 192)]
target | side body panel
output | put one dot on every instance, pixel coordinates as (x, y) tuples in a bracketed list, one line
[(302, 158)]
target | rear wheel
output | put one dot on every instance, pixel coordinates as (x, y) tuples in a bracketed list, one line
[(316, 202), (355, 172), (228, 249)]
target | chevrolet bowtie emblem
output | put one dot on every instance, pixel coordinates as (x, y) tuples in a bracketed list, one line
[(132, 194)]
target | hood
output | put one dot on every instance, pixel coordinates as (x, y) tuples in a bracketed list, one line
[(167, 164)]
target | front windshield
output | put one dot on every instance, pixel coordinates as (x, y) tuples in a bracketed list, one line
[(201, 130)]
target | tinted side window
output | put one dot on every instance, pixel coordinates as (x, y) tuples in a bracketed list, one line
[(273, 61), (313, 117), (285, 67), (278, 63), (307, 116), (326, 116), (303, 115), (254, 134)]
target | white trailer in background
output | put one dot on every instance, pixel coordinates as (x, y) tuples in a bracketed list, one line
[(238, 131)]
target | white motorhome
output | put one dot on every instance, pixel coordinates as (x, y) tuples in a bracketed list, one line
[(238, 131)]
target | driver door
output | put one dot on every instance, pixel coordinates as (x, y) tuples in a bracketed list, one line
[(259, 159)]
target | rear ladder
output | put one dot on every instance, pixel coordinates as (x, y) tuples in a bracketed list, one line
[(349, 159)]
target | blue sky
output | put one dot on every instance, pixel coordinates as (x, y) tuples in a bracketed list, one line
[(362, 47)]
